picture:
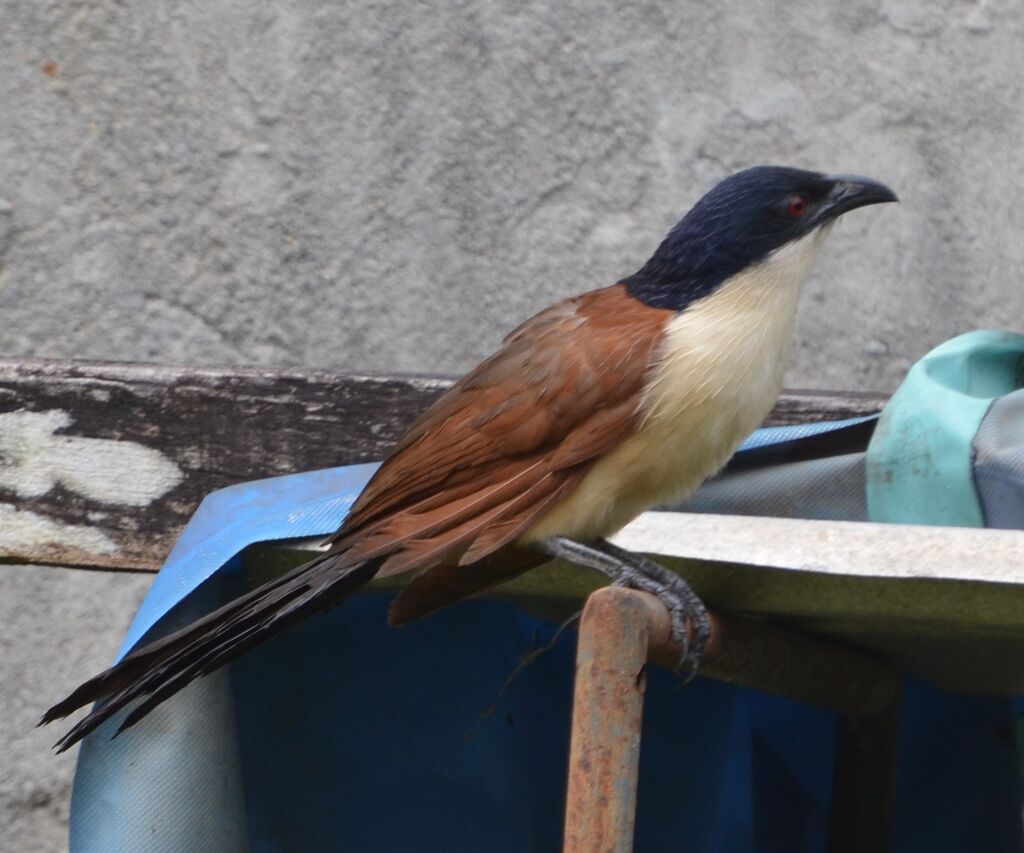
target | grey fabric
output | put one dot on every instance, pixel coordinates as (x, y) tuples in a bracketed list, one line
[(998, 451), (830, 488)]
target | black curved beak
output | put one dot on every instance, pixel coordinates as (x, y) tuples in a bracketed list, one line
[(850, 192)]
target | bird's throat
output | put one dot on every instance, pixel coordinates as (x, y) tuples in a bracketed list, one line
[(714, 378)]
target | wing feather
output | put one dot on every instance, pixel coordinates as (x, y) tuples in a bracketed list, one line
[(493, 452)]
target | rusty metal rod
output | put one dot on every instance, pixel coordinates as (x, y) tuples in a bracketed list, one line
[(604, 752), (864, 782), (809, 669), (620, 630)]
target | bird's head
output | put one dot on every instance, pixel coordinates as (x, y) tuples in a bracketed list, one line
[(746, 220)]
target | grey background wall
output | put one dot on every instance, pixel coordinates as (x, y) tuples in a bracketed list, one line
[(390, 186)]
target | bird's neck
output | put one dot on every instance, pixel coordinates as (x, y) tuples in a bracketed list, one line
[(687, 270), (687, 267), (662, 289)]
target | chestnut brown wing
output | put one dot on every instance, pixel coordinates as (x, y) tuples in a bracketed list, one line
[(510, 438)]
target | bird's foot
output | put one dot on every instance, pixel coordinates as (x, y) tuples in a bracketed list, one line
[(635, 571), (684, 605)]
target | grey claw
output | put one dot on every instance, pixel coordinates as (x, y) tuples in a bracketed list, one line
[(679, 634), (692, 651), (636, 571)]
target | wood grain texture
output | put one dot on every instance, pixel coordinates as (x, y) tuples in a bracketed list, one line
[(102, 464)]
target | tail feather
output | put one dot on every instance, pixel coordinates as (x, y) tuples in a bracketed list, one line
[(162, 668), (143, 660)]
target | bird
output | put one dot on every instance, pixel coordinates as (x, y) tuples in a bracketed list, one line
[(594, 410)]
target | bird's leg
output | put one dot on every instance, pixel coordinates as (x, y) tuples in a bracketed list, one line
[(626, 568)]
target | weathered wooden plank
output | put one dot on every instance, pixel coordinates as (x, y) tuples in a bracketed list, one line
[(101, 464), (801, 407)]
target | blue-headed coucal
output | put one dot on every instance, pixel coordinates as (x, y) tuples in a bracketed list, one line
[(590, 412)]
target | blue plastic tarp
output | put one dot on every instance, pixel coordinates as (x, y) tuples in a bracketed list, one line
[(345, 734)]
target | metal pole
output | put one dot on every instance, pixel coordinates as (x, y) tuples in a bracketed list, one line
[(620, 630), (864, 784), (604, 753)]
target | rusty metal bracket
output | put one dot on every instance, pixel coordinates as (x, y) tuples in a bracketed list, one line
[(622, 629)]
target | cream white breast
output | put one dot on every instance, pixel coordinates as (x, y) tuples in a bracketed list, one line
[(713, 380)]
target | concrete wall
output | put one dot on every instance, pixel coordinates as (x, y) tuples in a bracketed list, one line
[(56, 625), (391, 186)]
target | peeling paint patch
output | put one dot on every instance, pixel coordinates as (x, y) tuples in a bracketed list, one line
[(24, 529), (33, 459)]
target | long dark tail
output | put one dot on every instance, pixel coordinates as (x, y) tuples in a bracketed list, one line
[(160, 669)]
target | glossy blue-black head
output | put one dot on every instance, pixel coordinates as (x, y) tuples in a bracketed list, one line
[(742, 221)]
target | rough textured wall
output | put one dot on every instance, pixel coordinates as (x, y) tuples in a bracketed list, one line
[(55, 625), (390, 186)]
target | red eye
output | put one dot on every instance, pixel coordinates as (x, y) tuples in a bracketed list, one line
[(797, 206)]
